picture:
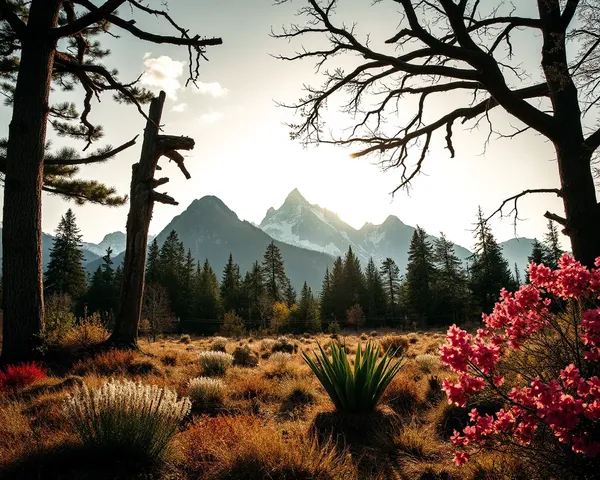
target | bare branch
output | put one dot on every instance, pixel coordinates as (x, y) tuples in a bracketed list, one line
[(178, 159), (95, 15), (162, 198), (94, 158)]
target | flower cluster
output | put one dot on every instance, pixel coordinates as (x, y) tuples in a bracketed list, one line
[(21, 375), (569, 405)]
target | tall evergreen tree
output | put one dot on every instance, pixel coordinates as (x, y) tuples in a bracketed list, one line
[(307, 314), (172, 272), (391, 281), (103, 295), (338, 293), (517, 273), (490, 272), (187, 283), (256, 298), (153, 273), (354, 281), (451, 288), (65, 273), (231, 283), (289, 294), (276, 281), (376, 301), (207, 298), (420, 274), (552, 244), (325, 296)]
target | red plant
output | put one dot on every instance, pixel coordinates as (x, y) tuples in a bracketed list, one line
[(567, 403), (21, 375)]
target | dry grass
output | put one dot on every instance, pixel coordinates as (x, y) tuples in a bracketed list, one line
[(273, 421)]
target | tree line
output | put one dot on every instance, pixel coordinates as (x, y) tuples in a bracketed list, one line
[(436, 289)]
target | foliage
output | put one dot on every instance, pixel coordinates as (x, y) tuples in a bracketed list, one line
[(156, 311), (243, 356), (131, 420), (231, 285), (556, 359), (218, 344), (206, 392), (59, 317), (103, 293), (334, 328), (357, 388), (283, 344), (427, 362), (280, 316), (355, 316), (280, 359), (14, 377), (394, 344), (215, 363), (274, 276), (65, 272), (391, 279), (233, 325), (85, 333), (420, 273)]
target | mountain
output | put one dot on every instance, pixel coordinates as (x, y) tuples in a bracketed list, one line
[(298, 222), (115, 240), (516, 250), (211, 230)]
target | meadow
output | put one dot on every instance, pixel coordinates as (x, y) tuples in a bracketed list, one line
[(258, 412)]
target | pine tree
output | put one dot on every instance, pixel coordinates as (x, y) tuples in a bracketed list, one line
[(552, 244), (103, 295), (274, 276), (518, 279), (420, 274), (325, 297), (231, 286), (257, 304), (354, 281), (207, 298), (289, 295), (338, 293), (307, 314), (172, 272), (65, 273), (188, 281), (153, 272), (391, 280), (450, 284), (490, 272), (376, 305)]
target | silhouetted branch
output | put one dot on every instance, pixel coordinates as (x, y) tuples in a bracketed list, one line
[(94, 158)]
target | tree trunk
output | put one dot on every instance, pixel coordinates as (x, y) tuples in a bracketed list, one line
[(582, 212), (23, 302), (127, 322)]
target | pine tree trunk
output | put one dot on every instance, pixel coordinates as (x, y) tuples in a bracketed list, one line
[(127, 322), (23, 301)]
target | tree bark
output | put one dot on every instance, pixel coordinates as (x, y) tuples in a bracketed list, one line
[(582, 212), (23, 302), (142, 197), (127, 322)]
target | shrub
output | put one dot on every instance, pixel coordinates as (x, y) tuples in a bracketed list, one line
[(111, 362), (206, 392), (18, 376), (218, 344), (357, 388), (169, 360), (373, 333), (233, 325), (59, 318), (283, 344), (248, 448), (355, 316), (280, 359), (244, 357), (334, 328), (185, 338), (403, 396), (524, 335), (215, 363), (127, 419), (297, 392), (87, 332), (394, 344), (427, 362)]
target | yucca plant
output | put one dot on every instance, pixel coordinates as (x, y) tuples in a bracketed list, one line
[(358, 388)]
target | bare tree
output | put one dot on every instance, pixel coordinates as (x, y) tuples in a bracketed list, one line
[(156, 312), (47, 44), (461, 48)]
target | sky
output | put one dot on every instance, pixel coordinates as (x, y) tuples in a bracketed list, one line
[(243, 152)]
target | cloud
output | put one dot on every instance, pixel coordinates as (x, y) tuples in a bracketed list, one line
[(211, 117), (212, 88), (163, 72), (180, 107)]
